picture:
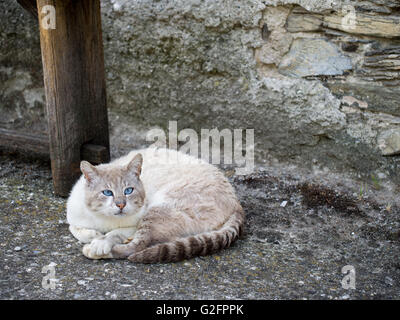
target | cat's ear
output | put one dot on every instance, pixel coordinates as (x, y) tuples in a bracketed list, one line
[(89, 171), (135, 166)]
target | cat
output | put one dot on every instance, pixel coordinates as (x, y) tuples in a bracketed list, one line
[(172, 207)]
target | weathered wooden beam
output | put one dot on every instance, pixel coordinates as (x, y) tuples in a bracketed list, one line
[(73, 68), (39, 145), (30, 6), (93, 153), (24, 142)]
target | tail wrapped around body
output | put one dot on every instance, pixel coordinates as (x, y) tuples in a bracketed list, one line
[(197, 245)]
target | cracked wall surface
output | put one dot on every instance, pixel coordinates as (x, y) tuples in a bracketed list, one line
[(318, 89)]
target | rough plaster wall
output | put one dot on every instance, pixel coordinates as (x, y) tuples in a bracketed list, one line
[(315, 93)]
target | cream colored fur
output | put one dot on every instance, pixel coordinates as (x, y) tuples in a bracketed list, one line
[(182, 197)]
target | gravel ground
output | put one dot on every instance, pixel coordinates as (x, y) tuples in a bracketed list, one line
[(292, 251)]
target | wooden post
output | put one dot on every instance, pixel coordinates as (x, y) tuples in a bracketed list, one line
[(73, 68), (38, 145)]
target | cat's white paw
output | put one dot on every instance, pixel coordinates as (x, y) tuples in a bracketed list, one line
[(100, 246), (98, 249)]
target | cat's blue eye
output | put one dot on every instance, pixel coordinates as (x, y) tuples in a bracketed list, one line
[(128, 190), (107, 193)]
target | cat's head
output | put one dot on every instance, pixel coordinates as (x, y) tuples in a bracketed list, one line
[(114, 191)]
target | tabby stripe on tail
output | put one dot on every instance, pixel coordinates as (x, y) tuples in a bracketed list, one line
[(202, 244)]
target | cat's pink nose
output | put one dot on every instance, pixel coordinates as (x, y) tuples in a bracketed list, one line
[(120, 205)]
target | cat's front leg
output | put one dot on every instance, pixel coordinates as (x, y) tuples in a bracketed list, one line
[(122, 251), (141, 240), (84, 235), (100, 248), (151, 230)]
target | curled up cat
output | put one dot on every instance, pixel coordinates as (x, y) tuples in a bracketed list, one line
[(153, 205)]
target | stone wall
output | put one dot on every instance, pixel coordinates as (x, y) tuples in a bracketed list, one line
[(317, 88)]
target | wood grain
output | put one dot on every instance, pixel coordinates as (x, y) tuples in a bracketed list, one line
[(73, 68), (39, 145), (17, 141), (93, 153)]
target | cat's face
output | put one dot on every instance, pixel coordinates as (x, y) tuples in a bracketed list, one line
[(114, 192)]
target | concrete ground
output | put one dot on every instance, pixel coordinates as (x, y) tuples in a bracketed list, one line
[(292, 251)]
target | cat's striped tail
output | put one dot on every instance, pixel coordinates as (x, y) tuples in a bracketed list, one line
[(197, 245)]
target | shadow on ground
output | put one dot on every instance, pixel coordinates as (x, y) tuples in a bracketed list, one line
[(291, 251)]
